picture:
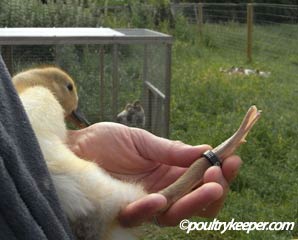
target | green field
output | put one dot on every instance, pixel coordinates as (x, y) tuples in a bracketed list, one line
[(208, 105)]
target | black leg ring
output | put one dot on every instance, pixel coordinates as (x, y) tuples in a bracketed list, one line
[(212, 158)]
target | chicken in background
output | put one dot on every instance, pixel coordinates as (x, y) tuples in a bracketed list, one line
[(133, 115)]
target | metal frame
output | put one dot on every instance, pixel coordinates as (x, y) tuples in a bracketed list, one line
[(122, 36), (128, 36)]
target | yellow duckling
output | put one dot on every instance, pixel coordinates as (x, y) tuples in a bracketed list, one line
[(90, 197), (60, 84)]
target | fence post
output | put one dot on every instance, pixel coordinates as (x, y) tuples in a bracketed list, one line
[(249, 31), (106, 4), (102, 83), (115, 81), (200, 18), (167, 101), (146, 101)]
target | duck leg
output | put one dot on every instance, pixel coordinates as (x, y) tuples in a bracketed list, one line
[(193, 176)]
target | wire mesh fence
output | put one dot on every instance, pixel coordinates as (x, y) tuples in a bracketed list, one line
[(228, 21), (110, 74), (259, 32)]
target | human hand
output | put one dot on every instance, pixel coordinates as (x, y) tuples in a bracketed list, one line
[(137, 155)]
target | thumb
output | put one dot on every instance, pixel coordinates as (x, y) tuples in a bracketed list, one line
[(174, 153)]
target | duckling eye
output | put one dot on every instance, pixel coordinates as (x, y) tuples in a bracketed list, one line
[(69, 86)]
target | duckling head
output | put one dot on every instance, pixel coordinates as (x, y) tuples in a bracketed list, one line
[(60, 84)]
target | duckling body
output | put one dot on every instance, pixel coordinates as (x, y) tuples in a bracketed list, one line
[(89, 196)]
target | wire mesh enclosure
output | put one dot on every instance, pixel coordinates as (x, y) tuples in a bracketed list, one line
[(259, 31), (122, 75)]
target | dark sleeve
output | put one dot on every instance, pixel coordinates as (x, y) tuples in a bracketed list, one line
[(29, 207)]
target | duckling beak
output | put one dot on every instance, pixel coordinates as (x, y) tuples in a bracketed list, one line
[(78, 119)]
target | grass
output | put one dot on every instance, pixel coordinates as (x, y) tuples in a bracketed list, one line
[(208, 105)]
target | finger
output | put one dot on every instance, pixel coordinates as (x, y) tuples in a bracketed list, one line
[(191, 204), (165, 151), (230, 167), (141, 210), (214, 174), (223, 177)]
